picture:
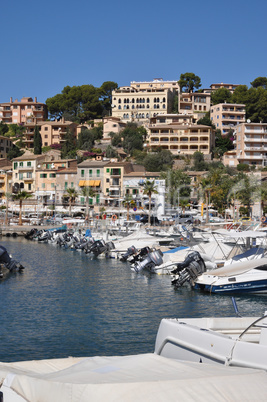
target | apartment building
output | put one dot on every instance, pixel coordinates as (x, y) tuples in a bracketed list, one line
[(24, 172), (21, 112), (251, 143), (53, 176), (52, 132), (6, 144), (196, 103), (90, 173), (180, 138), (142, 100), (226, 116)]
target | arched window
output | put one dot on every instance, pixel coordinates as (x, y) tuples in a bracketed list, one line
[(124, 100), (132, 106), (157, 99), (163, 100), (127, 100), (143, 115), (164, 106), (143, 100), (119, 107), (132, 100), (127, 116), (155, 106), (147, 115), (137, 100), (124, 107), (119, 101), (147, 101)]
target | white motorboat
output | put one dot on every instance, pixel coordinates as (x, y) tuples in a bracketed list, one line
[(242, 277), (152, 376), (238, 341)]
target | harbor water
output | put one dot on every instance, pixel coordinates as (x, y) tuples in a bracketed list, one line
[(67, 304)]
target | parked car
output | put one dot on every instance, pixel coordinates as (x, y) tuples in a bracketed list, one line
[(185, 218), (153, 220)]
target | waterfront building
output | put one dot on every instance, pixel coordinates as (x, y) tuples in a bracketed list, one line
[(24, 172), (21, 112), (226, 116)]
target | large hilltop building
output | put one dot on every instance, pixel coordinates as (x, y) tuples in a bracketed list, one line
[(226, 116), (142, 100), (21, 112)]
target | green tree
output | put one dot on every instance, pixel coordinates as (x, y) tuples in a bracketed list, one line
[(221, 95), (3, 128), (14, 152), (149, 188), (199, 163), (223, 143), (106, 95), (128, 203), (72, 194), (176, 181), (111, 152), (69, 145), (189, 81), (259, 82), (158, 161), (21, 196), (133, 138), (37, 141), (206, 121)]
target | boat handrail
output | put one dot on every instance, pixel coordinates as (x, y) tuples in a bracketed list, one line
[(253, 324)]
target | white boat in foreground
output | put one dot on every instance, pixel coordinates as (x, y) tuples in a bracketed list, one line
[(239, 341), (146, 377)]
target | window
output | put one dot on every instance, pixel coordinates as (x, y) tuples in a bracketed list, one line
[(52, 175), (72, 184), (90, 172), (15, 165), (98, 173), (52, 185), (29, 186), (43, 185), (20, 176), (43, 175), (29, 175), (82, 173), (21, 164), (29, 163), (66, 185), (108, 170), (46, 129)]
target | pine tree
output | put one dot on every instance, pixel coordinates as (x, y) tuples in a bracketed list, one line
[(37, 141)]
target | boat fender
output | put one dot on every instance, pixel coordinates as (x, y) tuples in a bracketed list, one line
[(263, 218), (114, 217)]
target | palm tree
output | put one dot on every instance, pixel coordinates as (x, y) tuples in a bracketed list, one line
[(21, 196), (206, 187), (72, 193), (87, 192), (149, 189), (128, 202)]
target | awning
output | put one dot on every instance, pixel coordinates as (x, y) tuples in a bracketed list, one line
[(89, 183)]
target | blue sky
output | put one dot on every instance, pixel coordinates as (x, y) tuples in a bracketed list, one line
[(48, 45)]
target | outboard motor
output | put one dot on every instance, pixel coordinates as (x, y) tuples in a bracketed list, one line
[(97, 247), (11, 264), (31, 234), (189, 270), (130, 251), (141, 255), (153, 259)]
